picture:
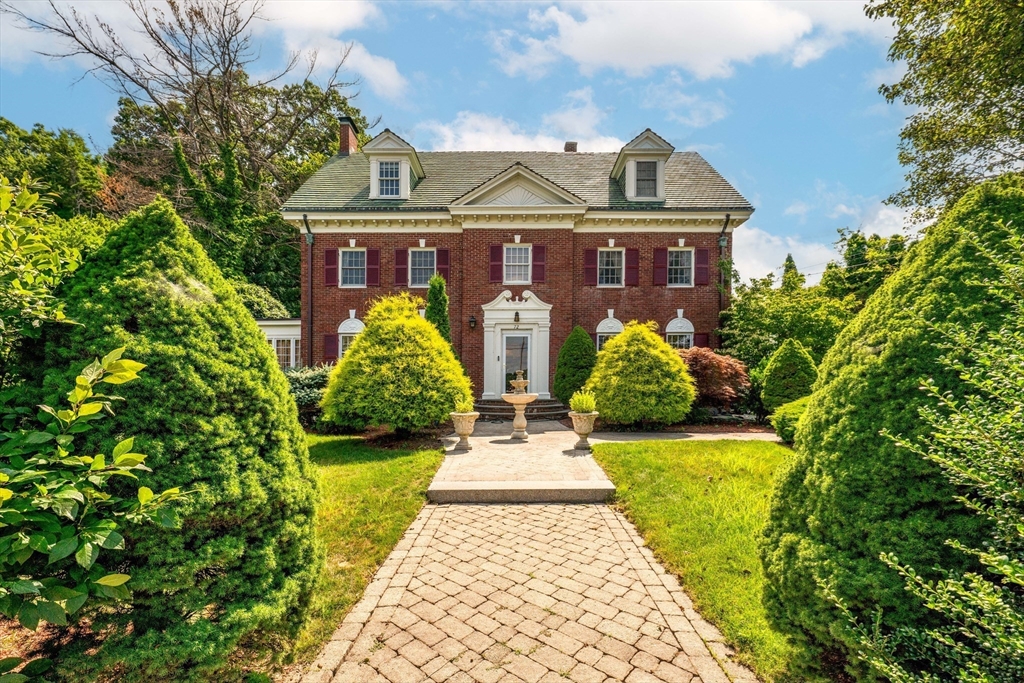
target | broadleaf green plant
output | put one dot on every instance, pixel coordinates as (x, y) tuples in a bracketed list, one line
[(58, 512)]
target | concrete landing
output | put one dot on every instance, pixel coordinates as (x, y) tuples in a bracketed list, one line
[(544, 469)]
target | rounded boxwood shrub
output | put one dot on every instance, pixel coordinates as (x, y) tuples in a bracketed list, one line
[(787, 416), (575, 363), (850, 493), (213, 413), (640, 378), (399, 372), (789, 375), (259, 301)]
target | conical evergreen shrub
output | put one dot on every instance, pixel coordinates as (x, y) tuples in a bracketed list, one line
[(640, 378), (850, 493), (437, 307), (575, 363), (398, 372), (789, 375), (213, 413)]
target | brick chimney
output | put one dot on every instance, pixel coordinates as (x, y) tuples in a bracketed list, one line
[(570, 147), (348, 135)]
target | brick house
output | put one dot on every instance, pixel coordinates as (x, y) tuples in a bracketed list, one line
[(531, 244)]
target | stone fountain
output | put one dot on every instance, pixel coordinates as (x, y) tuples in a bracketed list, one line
[(519, 398)]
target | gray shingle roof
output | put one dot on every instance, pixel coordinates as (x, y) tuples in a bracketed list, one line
[(343, 183)]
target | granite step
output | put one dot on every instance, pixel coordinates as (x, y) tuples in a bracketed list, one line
[(544, 409), (587, 491)]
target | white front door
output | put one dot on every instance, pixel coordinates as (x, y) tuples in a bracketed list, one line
[(515, 356)]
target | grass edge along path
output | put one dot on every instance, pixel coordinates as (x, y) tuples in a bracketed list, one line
[(369, 497), (700, 507)]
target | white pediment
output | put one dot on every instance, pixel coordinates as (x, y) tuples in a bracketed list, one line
[(387, 145), (519, 186)]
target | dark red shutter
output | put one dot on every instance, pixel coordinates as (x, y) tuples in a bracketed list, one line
[(373, 267), (590, 267), (701, 266), (632, 267), (701, 339), (330, 348), (661, 267), (330, 267), (401, 267), (496, 263), (443, 263), (540, 263)]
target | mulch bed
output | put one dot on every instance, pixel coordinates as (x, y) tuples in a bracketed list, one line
[(713, 428)]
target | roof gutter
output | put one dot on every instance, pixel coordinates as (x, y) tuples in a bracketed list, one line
[(309, 291)]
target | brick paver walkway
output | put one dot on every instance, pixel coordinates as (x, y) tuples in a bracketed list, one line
[(535, 593)]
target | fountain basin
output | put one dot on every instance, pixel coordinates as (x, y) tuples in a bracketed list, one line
[(519, 402)]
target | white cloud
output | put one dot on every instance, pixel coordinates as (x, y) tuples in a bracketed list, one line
[(578, 120), (682, 107), (705, 39), (797, 208), (302, 26), (884, 220), (757, 253)]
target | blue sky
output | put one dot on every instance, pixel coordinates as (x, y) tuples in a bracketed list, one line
[(781, 97)]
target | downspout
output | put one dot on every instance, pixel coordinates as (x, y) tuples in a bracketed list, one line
[(723, 241), (309, 292)]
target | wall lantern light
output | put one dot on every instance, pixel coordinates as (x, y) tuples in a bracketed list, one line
[(472, 322), (723, 241), (517, 316)]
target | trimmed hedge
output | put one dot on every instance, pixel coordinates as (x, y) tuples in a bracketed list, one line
[(786, 418), (213, 413), (399, 372), (850, 493), (789, 375), (576, 361), (640, 378)]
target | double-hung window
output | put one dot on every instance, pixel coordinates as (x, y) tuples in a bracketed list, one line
[(680, 269), (647, 179), (287, 352), (679, 340), (389, 182), (422, 264), (344, 341), (517, 264), (353, 268), (610, 267)]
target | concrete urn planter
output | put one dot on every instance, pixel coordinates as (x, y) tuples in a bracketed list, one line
[(464, 428), (583, 425)]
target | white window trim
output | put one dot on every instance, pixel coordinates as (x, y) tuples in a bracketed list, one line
[(341, 343), (409, 275), (605, 336), (293, 354), (341, 268), (679, 334), (529, 265), (622, 273), (404, 177), (631, 180), (693, 267), (378, 179)]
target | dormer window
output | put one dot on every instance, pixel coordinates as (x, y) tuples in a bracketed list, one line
[(647, 179), (389, 178)]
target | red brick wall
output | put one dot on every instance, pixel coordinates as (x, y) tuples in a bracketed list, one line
[(469, 286)]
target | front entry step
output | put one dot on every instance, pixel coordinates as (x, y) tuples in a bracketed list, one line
[(542, 409), (589, 491)]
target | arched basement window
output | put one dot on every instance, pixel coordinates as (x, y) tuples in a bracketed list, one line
[(348, 331), (679, 332), (607, 328)]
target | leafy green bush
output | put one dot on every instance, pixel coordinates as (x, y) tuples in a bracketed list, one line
[(850, 494), (307, 385), (640, 378), (789, 375), (84, 233), (583, 401), (437, 307), (787, 416), (399, 372), (259, 301), (57, 511), (979, 444), (576, 361), (720, 379), (213, 413)]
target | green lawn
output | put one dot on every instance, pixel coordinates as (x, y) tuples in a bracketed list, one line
[(700, 505), (370, 496)]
